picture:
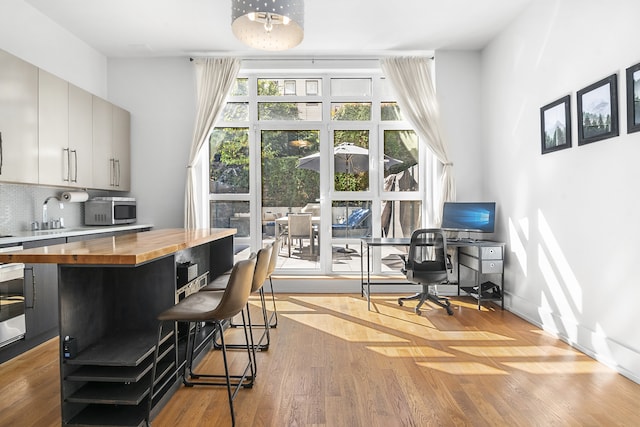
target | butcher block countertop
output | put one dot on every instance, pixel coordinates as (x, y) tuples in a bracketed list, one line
[(130, 249)]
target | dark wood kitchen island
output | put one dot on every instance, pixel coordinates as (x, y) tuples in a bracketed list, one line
[(110, 293)]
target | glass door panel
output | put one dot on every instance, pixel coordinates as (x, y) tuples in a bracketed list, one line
[(290, 178), (351, 160)]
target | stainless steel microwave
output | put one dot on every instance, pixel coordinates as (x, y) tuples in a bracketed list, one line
[(110, 211)]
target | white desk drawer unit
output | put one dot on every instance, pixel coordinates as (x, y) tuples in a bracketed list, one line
[(483, 258), (486, 260)]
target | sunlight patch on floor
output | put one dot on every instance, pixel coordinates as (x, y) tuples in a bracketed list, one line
[(412, 351), (463, 368), (464, 336), (421, 326), (288, 306), (340, 328), (570, 367), (515, 351)]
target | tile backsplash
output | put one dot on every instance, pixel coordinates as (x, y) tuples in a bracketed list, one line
[(21, 204)]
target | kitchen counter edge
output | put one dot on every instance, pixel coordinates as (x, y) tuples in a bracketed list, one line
[(31, 236)]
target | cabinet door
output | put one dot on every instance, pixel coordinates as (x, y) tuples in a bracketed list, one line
[(80, 137), (18, 120), (53, 130), (103, 161), (121, 148), (41, 293)]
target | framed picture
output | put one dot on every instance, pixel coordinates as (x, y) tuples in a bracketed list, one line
[(555, 125), (289, 87), (312, 87), (598, 111), (633, 99)]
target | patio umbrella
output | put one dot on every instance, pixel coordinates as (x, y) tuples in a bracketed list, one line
[(348, 158)]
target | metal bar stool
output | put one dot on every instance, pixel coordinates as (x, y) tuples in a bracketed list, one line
[(221, 281), (212, 307), (264, 258), (272, 267), (272, 322)]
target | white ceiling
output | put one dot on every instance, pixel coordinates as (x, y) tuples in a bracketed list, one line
[(335, 28)]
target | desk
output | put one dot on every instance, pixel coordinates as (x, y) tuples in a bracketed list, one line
[(483, 257)]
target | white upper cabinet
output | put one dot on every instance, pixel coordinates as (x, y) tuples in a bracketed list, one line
[(122, 147), (54, 133), (80, 137), (53, 129), (103, 162), (111, 146), (65, 133), (18, 120)]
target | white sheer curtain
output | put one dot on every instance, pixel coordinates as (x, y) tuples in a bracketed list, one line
[(411, 79), (214, 78)]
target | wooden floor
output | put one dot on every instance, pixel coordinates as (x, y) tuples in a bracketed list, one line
[(333, 363)]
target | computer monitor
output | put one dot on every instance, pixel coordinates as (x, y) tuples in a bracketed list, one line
[(469, 216)]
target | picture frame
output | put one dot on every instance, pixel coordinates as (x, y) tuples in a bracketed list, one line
[(289, 87), (555, 125), (633, 98), (598, 111)]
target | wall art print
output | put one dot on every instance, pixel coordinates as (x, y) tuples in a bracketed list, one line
[(633, 99), (555, 125), (598, 111)]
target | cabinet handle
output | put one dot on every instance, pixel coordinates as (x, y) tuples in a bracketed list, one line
[(1, 156), (75, 165), (66, 175), (113, 171), (33, 288), (117, 172)]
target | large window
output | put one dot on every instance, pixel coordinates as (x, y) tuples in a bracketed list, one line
[(319, 160)]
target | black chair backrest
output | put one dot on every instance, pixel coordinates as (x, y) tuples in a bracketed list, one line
[(426, 261)]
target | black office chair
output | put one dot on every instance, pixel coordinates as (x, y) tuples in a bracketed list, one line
[(427, 264)]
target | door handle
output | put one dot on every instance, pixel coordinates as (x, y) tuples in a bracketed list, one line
[(33, 288)]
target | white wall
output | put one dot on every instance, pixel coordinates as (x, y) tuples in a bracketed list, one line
[(29, 35), (570, 217), (161, 96), (457, 78)]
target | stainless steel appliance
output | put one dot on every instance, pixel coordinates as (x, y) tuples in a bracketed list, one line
[(12, 302), (110, 211)]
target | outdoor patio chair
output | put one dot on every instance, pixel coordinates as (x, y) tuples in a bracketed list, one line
[(357, 224), (299, 227)]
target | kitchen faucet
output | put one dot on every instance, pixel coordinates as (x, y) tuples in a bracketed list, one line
[(45, 220)]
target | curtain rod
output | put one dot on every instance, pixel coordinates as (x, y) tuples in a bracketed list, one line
[(314, 58)]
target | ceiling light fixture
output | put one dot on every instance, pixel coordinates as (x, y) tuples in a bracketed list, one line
[(268, 24)]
